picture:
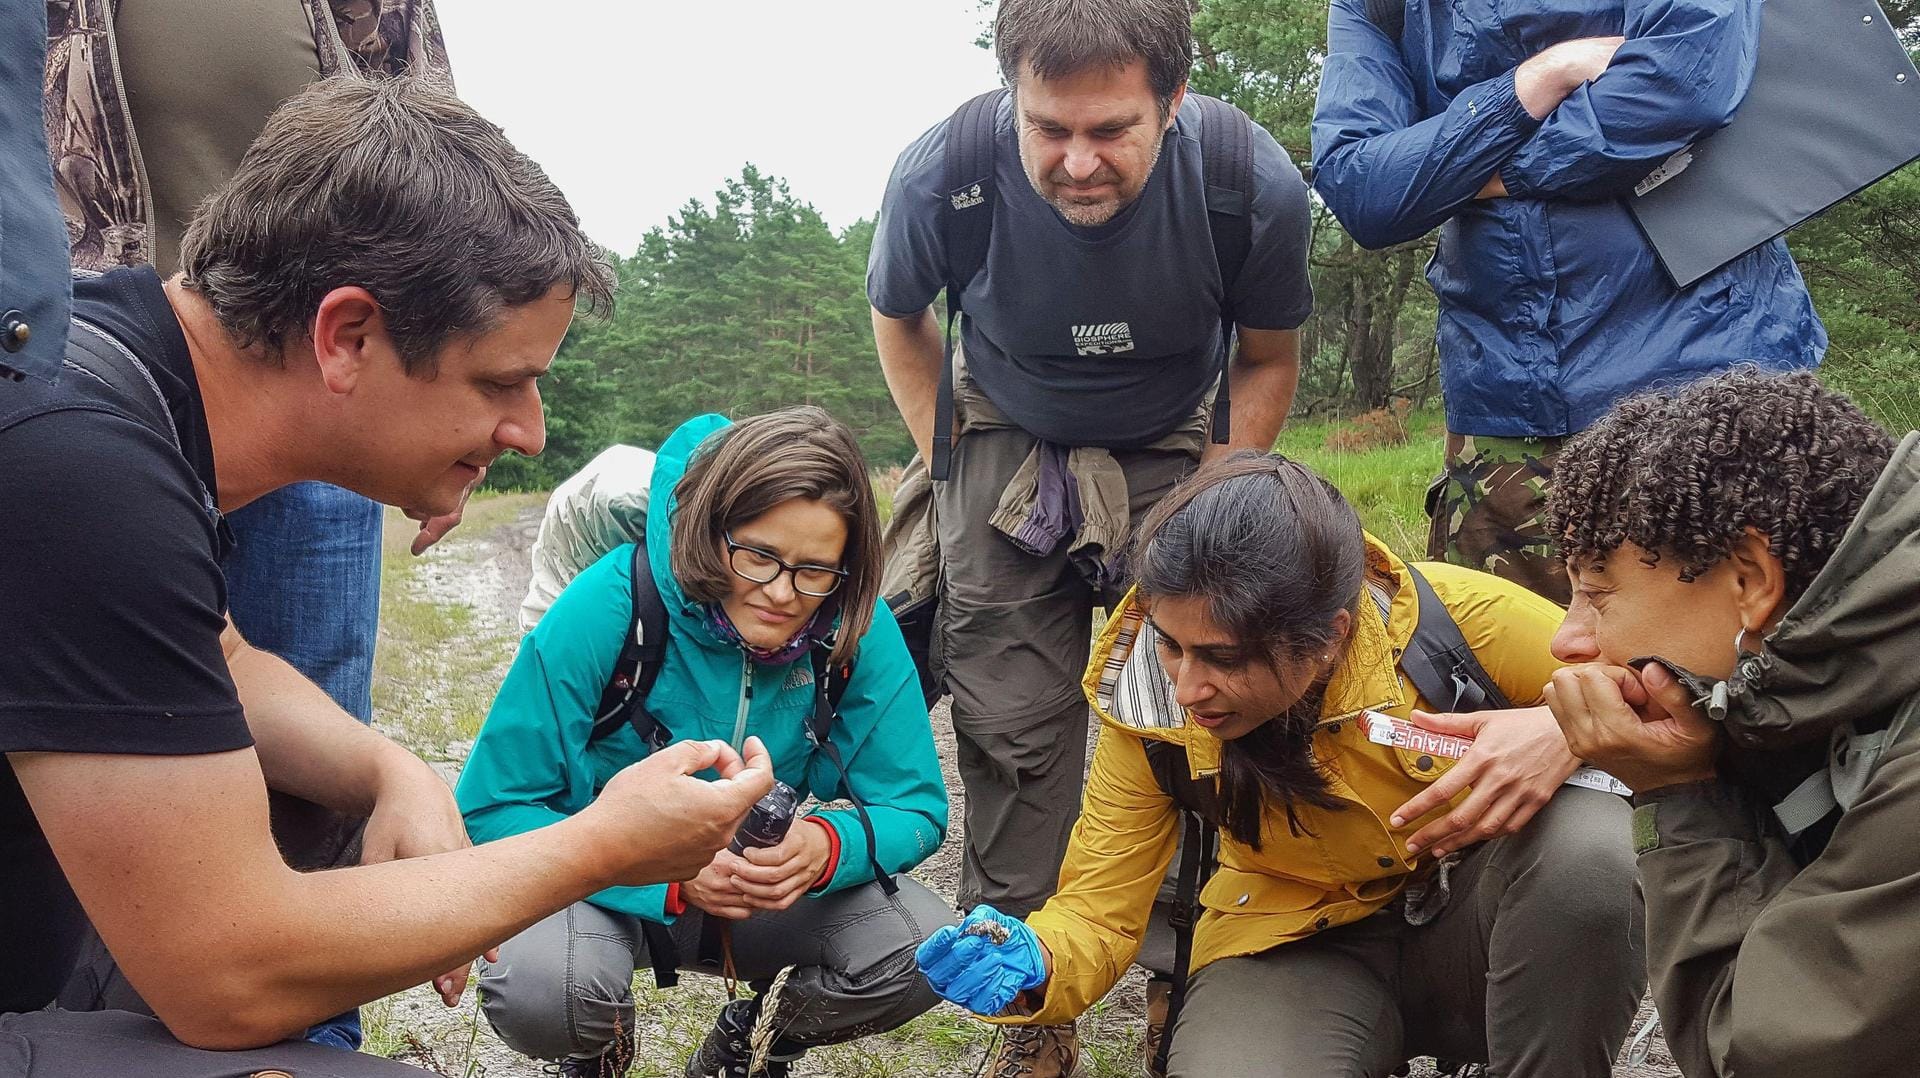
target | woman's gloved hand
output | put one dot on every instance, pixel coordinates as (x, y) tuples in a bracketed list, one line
[(983, 962)]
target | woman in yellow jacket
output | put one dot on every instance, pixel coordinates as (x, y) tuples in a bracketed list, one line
[(1264, 625)]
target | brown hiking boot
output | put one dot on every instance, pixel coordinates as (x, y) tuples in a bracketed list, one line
[(1037, 1052), (1159, 998)]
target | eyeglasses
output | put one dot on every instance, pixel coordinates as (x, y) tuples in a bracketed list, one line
[(765, 567)]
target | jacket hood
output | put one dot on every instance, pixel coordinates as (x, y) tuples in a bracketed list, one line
[(1129, 688), (670, 463), (1847, 649)]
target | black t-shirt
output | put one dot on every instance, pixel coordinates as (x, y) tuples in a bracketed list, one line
[(1104, 336), (111, 597)]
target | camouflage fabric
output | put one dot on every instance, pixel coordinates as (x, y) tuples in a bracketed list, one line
[(385, 37), (97, 168), (1488, 511), (96, 164)]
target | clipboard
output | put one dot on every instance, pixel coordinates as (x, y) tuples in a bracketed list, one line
[(1834, 106)]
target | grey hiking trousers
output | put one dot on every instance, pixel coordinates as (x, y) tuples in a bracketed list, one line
[(1535, 967), (564, 988), (1014, 634)]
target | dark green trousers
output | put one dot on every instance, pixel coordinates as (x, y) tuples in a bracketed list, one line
[(1534, 967)]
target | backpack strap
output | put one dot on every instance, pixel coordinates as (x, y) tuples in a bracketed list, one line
[(1853, 754), (966, 231), (1440, 664), (1226, 162), (1390, 16), (829, 687), (1198, 802), (94, 353), (624, 701)]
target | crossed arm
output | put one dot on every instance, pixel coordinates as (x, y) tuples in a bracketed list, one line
[(1584, 119)]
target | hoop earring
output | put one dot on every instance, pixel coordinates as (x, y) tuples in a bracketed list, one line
[(1740, 642)]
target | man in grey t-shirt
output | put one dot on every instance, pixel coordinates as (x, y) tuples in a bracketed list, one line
[(1095, 320)]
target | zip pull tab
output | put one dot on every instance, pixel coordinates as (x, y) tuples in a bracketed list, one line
[(740, 714), (1642, 1044)]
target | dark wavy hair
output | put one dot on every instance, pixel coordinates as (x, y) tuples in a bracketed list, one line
[(1276, 553), (745, 470), (1682, 473)]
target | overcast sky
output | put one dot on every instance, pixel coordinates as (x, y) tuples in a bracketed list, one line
[(635, 106)]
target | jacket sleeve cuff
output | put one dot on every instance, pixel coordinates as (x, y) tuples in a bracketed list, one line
[(1495, 103), (833, 853), (1692, 812), (1503, 95), (648, 903)]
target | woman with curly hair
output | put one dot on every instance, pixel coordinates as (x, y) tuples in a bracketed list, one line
[(1745, 559)]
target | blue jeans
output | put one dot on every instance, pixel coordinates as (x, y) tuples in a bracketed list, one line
[(303, 582)]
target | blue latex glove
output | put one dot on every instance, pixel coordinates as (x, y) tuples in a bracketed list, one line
[(964, 964)]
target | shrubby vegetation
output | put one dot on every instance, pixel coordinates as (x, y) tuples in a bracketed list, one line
[(751, 301)]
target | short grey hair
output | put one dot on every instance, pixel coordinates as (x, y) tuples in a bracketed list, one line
[(1065, 37), (394, 185)]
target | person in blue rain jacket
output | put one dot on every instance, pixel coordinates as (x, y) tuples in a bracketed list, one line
[(1519, 128)]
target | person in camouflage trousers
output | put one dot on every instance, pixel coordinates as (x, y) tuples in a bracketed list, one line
[(1487, 511), (125, 209)]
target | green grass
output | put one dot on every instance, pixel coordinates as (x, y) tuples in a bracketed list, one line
[(436, 669), (446, 1048), (1388, 485)]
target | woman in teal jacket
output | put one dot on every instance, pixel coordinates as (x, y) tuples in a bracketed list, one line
[(763, 541)]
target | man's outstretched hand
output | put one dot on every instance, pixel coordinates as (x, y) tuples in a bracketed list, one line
[(663, 824)]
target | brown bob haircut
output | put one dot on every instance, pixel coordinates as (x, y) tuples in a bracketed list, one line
[(748, 468)]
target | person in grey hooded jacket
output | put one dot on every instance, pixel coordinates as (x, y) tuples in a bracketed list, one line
[(1745, 557)]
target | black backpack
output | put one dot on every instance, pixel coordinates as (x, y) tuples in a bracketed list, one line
[(966, 227), (624, 703), (1441, 667)]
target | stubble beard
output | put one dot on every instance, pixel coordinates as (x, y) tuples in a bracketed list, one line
[(1093, 214)]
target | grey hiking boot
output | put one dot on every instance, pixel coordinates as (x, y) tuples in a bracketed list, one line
[(1037, 1052), (728, 1050)]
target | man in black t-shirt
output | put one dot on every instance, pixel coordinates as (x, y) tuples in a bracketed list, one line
[(1092, 338), (369, 301)]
